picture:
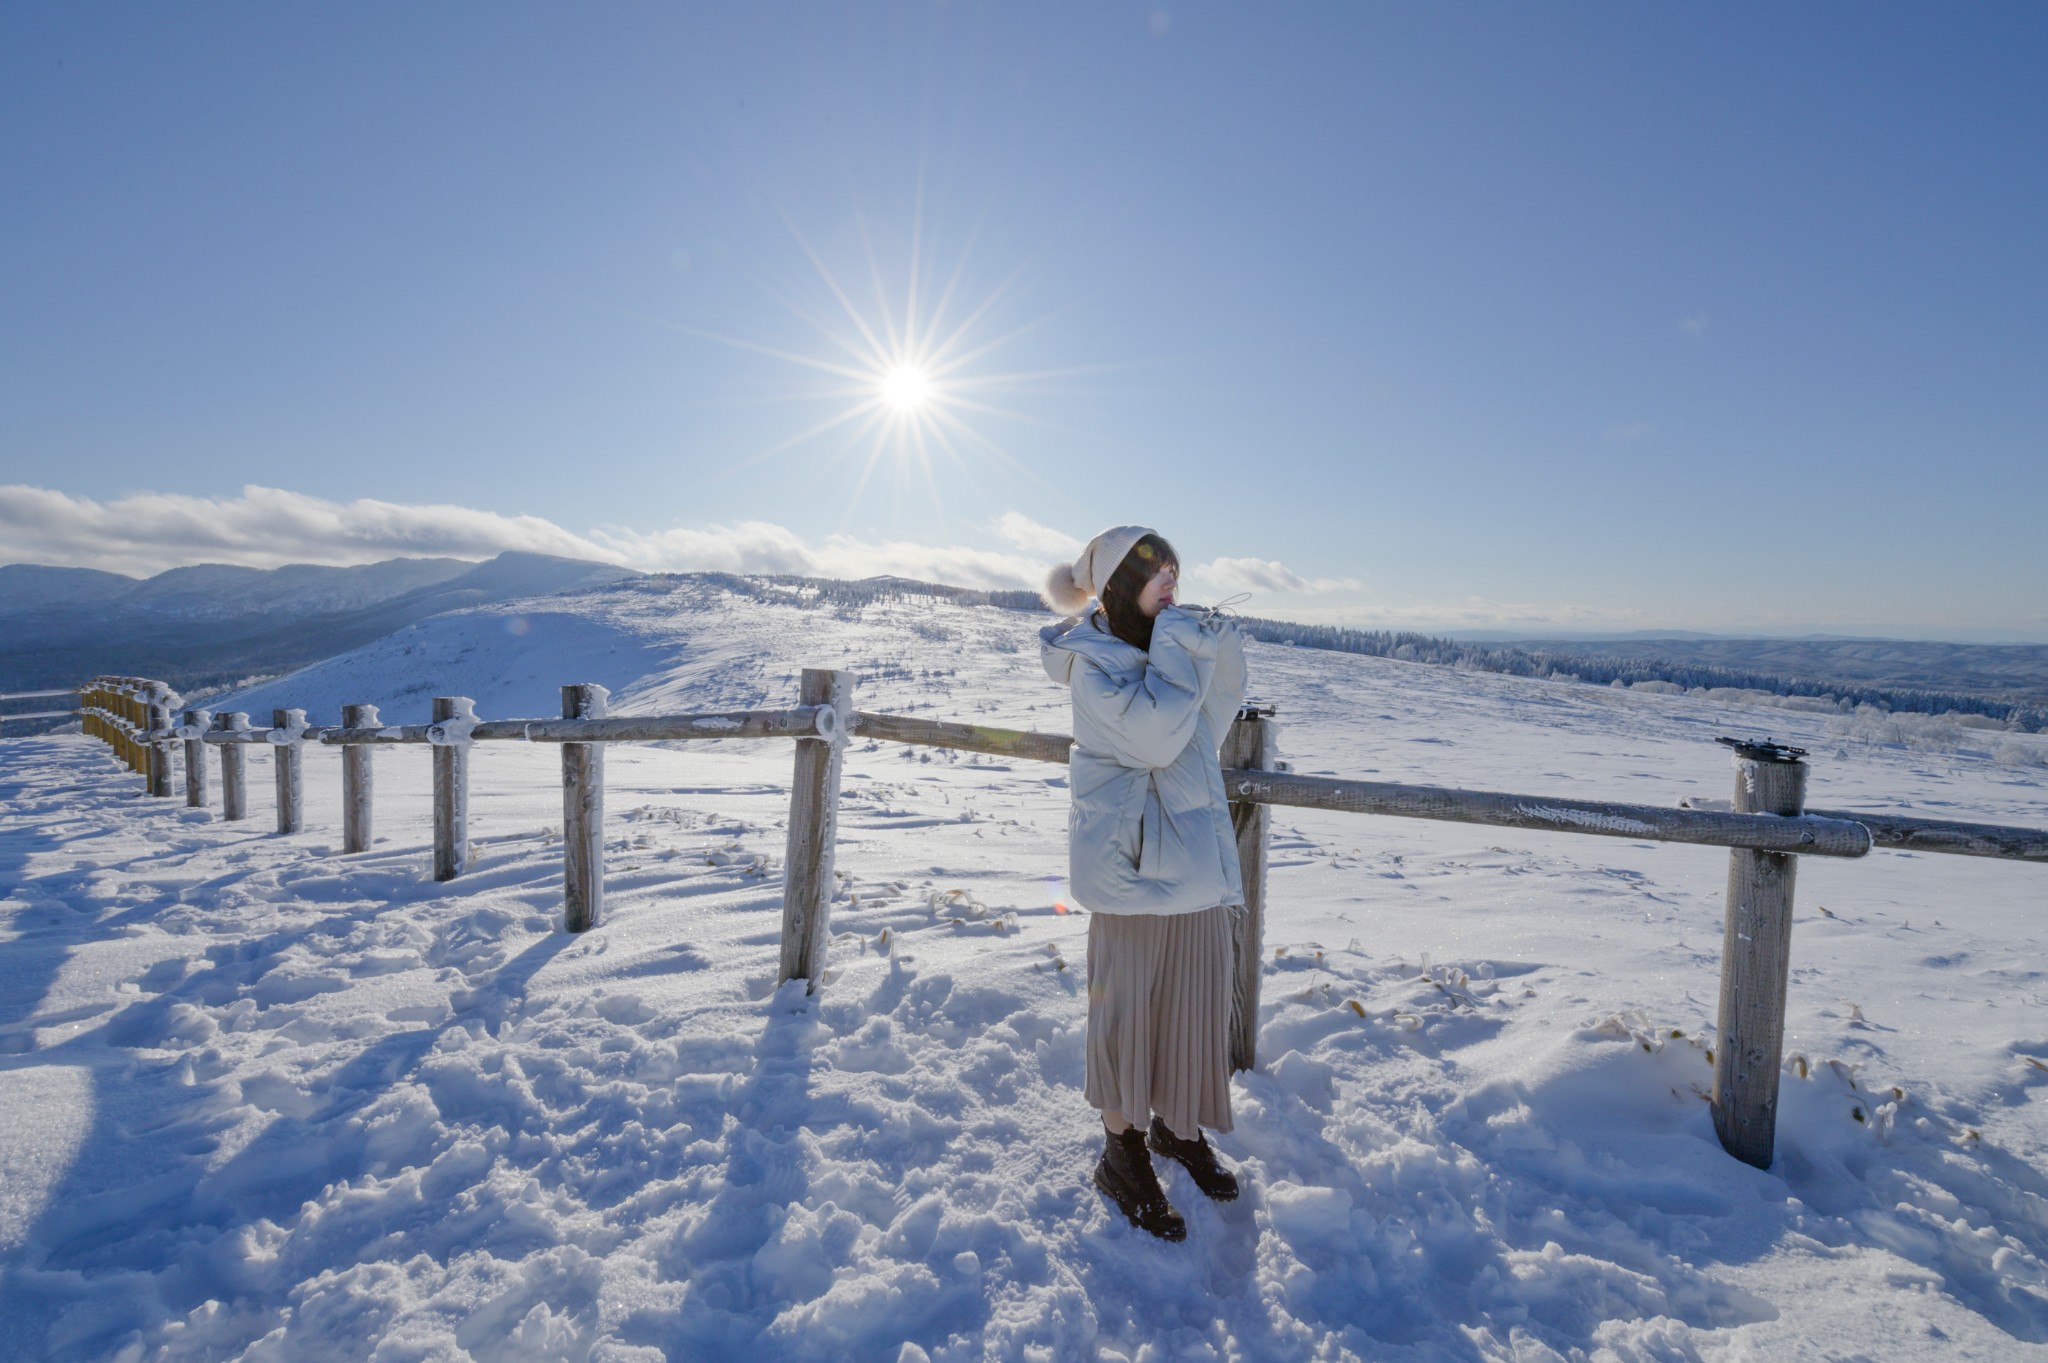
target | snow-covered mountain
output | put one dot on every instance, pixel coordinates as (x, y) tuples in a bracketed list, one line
[(262, 1100), (28, 587), (210, 591), (214, 591), (203, 625)]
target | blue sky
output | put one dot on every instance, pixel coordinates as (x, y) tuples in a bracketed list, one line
[(1546, 317)]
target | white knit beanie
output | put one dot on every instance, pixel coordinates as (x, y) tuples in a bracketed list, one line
[(1070, 585)]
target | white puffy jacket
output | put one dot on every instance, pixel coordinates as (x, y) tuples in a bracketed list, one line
[(1149, 831)]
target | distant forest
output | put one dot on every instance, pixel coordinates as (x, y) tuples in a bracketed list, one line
[(1603, 671)]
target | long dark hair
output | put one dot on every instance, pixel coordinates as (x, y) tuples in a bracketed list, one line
[(1120, 594)]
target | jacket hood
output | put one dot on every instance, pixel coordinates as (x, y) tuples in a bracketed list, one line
[(1081, 636)]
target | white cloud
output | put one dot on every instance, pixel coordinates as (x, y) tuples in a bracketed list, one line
[(265, 527), (1695, 325), (763, 547), (1021, 532), (262, 528), (1265, 575), (1628, 430), (1213, 580)]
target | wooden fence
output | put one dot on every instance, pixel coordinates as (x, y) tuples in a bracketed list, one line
[(66, 702), (1767, 828)]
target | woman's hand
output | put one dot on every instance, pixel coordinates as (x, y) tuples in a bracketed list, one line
[(1215, 623), (1186, 628)]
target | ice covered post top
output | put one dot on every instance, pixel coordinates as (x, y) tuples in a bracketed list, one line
[(453, 729)]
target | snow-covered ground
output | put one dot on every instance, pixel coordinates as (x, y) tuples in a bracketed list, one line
[(262, 1100)]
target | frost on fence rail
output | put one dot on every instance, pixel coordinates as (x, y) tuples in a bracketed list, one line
[(803, 721), (1908, 834), (1806, 835)]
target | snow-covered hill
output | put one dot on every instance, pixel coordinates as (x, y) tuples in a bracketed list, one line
[(213, 591), (211, 624), (261, 1100)]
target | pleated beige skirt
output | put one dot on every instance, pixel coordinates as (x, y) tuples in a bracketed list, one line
[(1159, 1018)]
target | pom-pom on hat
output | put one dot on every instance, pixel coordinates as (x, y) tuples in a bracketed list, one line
[(1070, 585)]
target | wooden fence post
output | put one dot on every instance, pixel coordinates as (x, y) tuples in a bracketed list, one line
[(234, 766), (1756, 958), (451, 791), (289, 757), (195, 722), (1249, 744), (583, 813), (159, 748), (131, 752), (355, 780), (813, 828), (131, 709)]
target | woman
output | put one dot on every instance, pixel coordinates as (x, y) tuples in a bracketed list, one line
[(1152, 857)]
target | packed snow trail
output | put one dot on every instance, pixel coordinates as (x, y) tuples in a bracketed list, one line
[(262, 1100)]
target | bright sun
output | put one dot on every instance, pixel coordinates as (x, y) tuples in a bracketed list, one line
[(904, 375), (906, 388)]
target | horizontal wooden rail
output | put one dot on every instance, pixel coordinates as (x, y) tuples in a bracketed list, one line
[(1806, 835), (383, 733), (984, 738), (803, 721), (70, 694), (1906, 834), (40, 714), (256, 737)]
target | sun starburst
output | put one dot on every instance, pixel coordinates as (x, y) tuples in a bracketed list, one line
[(911, 376)]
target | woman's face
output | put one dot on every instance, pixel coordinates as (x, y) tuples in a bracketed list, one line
[(1158, 593)]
